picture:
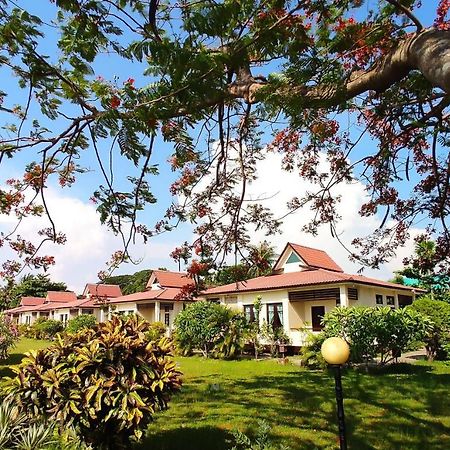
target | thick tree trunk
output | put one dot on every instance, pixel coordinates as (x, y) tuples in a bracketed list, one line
[(427, 51)]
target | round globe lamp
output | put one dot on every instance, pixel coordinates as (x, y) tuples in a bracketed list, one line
[(336, 352)]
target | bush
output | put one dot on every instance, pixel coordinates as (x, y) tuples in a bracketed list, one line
[(80, 323), (46, 328), (437, 340), (18, 432), (210, 328), (260, 440), (311, 352), (157, 331), (107, 381), (275, 337), (9, 334), (375, 332)]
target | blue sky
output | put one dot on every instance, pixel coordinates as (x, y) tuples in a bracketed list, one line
[(72, 204)]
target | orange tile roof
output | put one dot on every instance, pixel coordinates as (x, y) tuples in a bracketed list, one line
[(103, 290), (61, 296), (169, 279), (32, 301), (167, 294), (299, 279), (314, 257)]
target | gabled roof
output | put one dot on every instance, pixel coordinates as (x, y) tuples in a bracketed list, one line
[(102, 290), (60, 296), (32, 301), (168, 294), (300, 279), (313, 257), (168, 279)]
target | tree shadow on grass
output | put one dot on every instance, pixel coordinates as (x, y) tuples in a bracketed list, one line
[(186, 438), (12, 360)]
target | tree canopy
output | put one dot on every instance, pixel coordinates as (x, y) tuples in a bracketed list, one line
[(225, 83)]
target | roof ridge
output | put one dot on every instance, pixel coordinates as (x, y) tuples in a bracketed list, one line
[(307, 246)]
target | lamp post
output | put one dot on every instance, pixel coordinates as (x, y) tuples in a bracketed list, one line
[(336, 352)]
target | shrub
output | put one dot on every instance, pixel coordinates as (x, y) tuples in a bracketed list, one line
[(80, 323), (9, 334), (437, 340), (260, 440), (210, 328), (107, 381), (311, 352), (47, 328), (274, 336), (26, 331), (376, 331), (17, 432), (157, 331)]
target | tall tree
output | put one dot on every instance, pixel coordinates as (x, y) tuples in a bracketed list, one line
[(214, 77)]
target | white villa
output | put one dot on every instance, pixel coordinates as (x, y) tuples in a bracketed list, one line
[(305, 284)]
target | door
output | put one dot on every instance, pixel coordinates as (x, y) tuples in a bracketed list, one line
[(317, 313)]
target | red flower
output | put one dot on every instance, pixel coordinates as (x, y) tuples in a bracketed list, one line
[(115, 102)]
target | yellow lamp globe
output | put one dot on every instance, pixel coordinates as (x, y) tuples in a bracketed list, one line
[(335, 351)]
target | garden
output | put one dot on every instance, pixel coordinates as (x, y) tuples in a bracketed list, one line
[(119, 379)]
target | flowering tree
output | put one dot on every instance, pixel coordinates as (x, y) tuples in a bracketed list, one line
[(8, 335), (215, 77)]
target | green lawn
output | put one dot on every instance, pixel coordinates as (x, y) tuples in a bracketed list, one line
[(18, 352), (408, 408)]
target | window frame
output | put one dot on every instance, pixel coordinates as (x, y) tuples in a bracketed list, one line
[(388, 298), (379, 296), (276, 311), (249, 313), (318, 327)]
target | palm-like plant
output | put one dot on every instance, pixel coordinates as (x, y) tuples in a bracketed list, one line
[(260, 259)]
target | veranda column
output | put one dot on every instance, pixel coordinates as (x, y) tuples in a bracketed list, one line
[(157, 312), (343, 296)]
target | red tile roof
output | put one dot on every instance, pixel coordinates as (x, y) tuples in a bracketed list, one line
[(61, 296), (299, 279), (32, 301), (167, 294), (168, 279), (316, 258), (102, 290)]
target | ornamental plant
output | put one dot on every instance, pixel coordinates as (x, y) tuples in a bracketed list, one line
[(373, 332), (9, 334), (210, 328), (46, 328), (107, 382), (81, 322)]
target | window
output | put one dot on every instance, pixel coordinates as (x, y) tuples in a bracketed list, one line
[(404, 300), (167, 319), (352, 293), (378, 299), (390, 300), (317, 313), (275, 314), (249, 311)]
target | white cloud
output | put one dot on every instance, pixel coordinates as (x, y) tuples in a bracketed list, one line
[(89, 244), (278, 187)]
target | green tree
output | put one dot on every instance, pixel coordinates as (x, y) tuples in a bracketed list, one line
[(29, 286), (209, 328), (260, 259), (129, 284), (211, 79), (437, 340)]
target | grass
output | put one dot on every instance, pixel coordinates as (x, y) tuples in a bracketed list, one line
[(402, 407), (407, 407), (18, 352)]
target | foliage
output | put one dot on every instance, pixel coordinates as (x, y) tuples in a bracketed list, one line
[(9, 334), (427, 266), (211, 78), (46, 328), (81, 322), (372, 332), (230, 274), (18, 432), (260, 259), (129, 284), (28, 286), (311, 352), (157, 330), (438, 338), (253, 334), (275, 336), (210, 328), (260, 441), (107, 382)]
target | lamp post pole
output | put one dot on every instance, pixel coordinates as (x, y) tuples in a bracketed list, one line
[(340, 406), (336, 352)]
